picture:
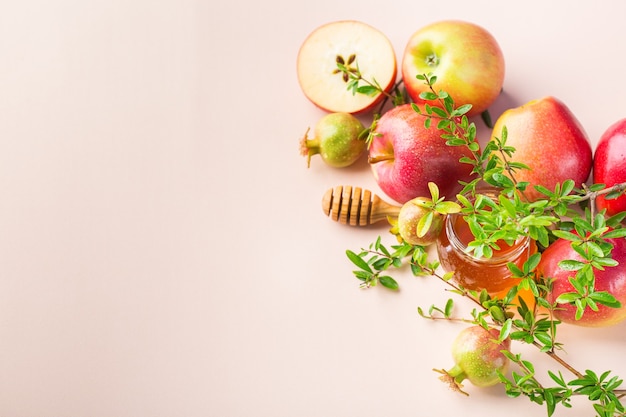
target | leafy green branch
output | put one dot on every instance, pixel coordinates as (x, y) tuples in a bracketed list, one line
[(504, 218)]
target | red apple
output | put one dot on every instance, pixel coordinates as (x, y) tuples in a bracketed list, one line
[(609, 165), (611, 279), (354, 44), (405, 156), (550, 140), (466, 59)]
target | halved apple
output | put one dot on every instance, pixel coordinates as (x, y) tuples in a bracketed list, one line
[(354, 44)]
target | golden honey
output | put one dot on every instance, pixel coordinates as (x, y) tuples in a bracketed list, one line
[(478, 273)]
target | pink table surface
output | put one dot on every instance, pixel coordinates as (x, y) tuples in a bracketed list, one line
[(162, 247)]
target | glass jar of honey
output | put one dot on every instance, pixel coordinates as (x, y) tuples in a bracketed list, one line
[(478, 273)]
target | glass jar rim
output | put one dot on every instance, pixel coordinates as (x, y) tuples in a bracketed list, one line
[(520, 245)]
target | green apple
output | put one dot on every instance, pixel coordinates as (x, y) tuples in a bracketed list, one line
[(465, 58)]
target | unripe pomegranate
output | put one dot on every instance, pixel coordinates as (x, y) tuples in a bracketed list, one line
[(420, 219), (478, 357), (336, 138), (412, 215)]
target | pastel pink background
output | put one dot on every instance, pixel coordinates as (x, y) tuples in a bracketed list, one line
[(162, 247)]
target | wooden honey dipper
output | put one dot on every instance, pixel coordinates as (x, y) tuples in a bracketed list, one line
[(355, 207)]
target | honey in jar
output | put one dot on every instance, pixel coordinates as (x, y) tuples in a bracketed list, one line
[(478, 273)]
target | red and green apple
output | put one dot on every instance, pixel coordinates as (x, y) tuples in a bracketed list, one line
[(405, 156), (550, 140), (465, 58)]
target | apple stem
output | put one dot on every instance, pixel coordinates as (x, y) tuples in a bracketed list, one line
[(379, 158)]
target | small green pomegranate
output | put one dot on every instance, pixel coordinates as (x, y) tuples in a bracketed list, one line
[(420, 220), (478, 357), (336, 138)]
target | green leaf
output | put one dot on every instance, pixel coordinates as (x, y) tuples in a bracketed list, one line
[(515, 270), (363, 275), (580, 309), (558, 379), (532, 263), (497, 314), (593, 249), (461, 110), (544, 338), (605, 298), (567, 235), (447, 207), (449, 307), (616, 220), (567, 298), (502, 180), (439, 112), (448, 276), (434, 190), (579, 282), (448, 103), (388, 282), (368, 90), (473, 146), (601, 262), (597, 187), (550, 402), (428, 95), (358, 261), (616, 233), (571, 265), (423, 226), (455, 142), (567, 187), (505, 330), (382, 264), (444, 124)]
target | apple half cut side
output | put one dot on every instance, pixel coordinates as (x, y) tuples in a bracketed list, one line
[(354, 44)]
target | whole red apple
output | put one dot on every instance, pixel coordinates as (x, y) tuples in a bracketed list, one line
[(550, 140), (611, 279), (405, 156), (609, 165), (466, 59)]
